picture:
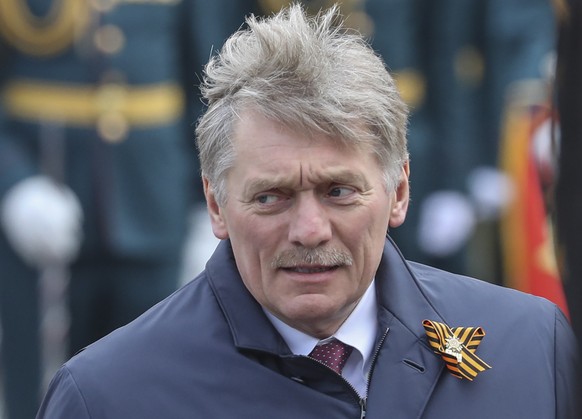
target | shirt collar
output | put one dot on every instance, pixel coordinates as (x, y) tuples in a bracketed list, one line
[(351, 332)]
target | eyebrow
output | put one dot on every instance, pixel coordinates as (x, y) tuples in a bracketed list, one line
[(265, 184), (348, 177), (340, 176)]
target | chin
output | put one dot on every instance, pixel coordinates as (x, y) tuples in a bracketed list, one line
[(313, 310)]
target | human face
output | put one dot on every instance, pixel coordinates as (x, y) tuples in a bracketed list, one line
[(291, 194)]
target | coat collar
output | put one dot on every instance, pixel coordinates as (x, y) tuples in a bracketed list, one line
[(250, 327), (406, 367)]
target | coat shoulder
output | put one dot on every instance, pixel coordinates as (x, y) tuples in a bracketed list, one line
[(452, 293), (180, 324), (528, 341)]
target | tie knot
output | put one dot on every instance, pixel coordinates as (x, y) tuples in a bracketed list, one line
[(334, 354)]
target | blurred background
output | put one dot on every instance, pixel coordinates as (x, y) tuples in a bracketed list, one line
[(101, 205)]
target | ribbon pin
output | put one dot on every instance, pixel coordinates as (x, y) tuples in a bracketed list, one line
[(457, 347)]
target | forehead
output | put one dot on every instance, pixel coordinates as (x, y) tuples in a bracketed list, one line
[(268, 149), (253, 130)]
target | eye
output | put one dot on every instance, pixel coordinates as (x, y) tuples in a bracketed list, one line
[(340, 191), (267, 199)]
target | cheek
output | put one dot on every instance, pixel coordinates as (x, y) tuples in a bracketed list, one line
[(256, 240), (368, 228), (365, 236)]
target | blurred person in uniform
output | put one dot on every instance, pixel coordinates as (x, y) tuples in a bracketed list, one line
[(97, 176), (455, 62)]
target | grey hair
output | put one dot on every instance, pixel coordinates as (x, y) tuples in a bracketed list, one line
[(310, 74)]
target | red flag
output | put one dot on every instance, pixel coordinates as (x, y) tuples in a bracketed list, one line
[(529, 257)]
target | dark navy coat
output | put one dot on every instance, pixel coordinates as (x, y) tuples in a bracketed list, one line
[(208, 351)]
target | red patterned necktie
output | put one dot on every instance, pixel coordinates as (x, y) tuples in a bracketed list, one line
[(334, 354)]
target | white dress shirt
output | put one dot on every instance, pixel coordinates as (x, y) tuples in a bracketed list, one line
[(359, 331)]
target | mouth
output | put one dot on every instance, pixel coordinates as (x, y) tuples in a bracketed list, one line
[(310, 269)]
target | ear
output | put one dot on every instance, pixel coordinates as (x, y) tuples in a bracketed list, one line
[(401, 197), (217, 220)]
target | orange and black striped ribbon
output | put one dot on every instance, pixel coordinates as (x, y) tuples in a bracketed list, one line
[(457, 347)]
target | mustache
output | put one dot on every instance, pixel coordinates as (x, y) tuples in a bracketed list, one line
[(302, 256)]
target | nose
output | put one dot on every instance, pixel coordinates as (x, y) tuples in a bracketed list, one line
[(310, 225)]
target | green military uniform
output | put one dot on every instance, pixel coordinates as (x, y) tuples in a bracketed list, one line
[(107, 89), (455, 61)]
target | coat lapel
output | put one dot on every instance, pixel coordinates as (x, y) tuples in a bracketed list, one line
[(406, 369), (250, 327)]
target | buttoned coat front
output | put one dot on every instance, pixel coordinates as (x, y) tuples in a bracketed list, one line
[(208, 351)]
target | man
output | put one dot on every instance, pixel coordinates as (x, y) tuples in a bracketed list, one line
[(305, 168)]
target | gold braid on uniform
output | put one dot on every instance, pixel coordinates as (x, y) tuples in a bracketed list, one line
[(46, 35)]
